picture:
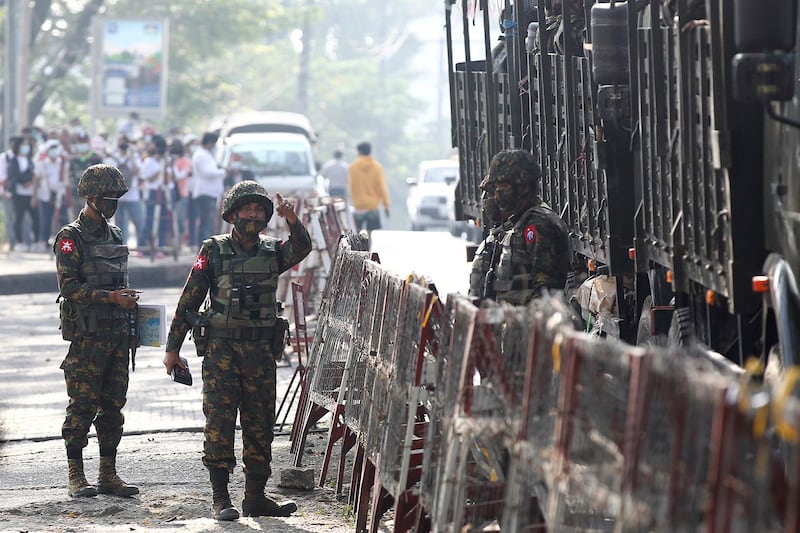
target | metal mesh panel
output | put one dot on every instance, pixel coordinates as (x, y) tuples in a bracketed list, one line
[(670, 412), (408, 338), (333, 348), (584, 471), (365, 324), (444, 332), (526, 491)]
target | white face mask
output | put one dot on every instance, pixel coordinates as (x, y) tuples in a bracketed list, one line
[(53, 153), (25, 149)]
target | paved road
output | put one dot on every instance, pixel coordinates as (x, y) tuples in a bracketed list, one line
[(33, 394)]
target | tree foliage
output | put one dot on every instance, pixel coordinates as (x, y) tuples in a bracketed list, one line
[(228, 55)]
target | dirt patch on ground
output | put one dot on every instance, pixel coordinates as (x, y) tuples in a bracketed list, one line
[(175, 492)]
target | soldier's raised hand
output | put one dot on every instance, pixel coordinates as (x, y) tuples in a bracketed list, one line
[(285, 208)]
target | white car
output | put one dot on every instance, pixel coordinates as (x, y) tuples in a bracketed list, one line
[(275, 149), (430, 198)]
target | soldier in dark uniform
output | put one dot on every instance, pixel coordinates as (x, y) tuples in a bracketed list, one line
[(240, 273), (530, 248), (96, 307)]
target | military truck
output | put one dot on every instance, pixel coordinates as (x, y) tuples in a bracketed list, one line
[(667, 133)]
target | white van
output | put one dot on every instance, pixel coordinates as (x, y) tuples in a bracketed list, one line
[(276, 147)]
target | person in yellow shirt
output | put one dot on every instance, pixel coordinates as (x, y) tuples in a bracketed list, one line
[(368, 189)]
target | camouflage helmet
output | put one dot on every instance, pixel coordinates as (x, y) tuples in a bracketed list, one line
[(515, 167), (102, 180), (243, 193)]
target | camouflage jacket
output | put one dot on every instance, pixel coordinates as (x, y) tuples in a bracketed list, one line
[(204, 273), (534, 256), (74, 265)]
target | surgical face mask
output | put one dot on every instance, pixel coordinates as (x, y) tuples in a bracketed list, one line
[(248, 227), (53, 153), (25, 149), (81, 148), (236, 165), (105, 206)]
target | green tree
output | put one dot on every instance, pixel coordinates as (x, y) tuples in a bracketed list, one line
[(228, 55)]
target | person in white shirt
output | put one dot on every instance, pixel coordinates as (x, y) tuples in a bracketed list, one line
[(129, 207), (51, 185), (157, 186), (18, 176), (207, 187)]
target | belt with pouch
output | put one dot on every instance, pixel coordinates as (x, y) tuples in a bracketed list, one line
[(245, 334)]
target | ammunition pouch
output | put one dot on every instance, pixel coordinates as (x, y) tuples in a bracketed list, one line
[(85, 320), (200, 331), (70, 317)]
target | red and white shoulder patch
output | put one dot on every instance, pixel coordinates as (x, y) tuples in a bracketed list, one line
[(66, 246), (200, 263), (530, 234)]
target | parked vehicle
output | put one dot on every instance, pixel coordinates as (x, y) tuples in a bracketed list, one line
[(276, 148), (430, 198), (667, 140)]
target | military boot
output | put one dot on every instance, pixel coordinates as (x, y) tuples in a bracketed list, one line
[(108, 482), (255, 503), (222, 506), (78, 486)]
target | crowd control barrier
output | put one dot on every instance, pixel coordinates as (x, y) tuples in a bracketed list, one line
[(496, 417)]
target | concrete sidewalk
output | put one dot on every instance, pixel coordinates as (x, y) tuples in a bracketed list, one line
[(29, 272)]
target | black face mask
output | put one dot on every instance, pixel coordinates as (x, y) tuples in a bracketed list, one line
[(105, 207), (123, 146), (249, 228)]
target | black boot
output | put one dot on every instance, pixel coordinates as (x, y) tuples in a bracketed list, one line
[(223, 508), (255, 503)]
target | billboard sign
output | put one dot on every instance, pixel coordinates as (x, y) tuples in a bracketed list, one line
[(130, 67)]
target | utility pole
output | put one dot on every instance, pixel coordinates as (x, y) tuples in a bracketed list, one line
[(23, 63), (305, 56), (10, 72)]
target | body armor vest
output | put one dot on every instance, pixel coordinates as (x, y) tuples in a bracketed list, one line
[(105, 267), (520, 273), (243, 291), (483, 261)]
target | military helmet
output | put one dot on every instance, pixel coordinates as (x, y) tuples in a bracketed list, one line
[(515, 167), (245, 192), (102, 180)]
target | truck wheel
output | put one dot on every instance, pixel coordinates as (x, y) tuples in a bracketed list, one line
[(681, 330), (644, 335)]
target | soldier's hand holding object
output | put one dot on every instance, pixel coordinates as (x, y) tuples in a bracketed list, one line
[(125, 298)]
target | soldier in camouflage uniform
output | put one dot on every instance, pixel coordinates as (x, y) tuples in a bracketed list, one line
[(95, 306), (530, 248), (240, 273)]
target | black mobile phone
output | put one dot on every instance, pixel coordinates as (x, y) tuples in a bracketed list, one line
[(182, 375)]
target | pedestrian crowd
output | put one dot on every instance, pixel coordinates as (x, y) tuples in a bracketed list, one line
[(173, 183)]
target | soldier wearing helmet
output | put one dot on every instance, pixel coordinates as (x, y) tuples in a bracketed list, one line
[(95, 304), (530, 251), (239, 272)]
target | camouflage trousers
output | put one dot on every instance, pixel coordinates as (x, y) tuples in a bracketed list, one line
[(239, 376), (96, 373)]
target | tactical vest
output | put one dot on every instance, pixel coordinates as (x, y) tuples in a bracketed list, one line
[(243, 292), (483, 262), (105, 267), (516, 280)]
